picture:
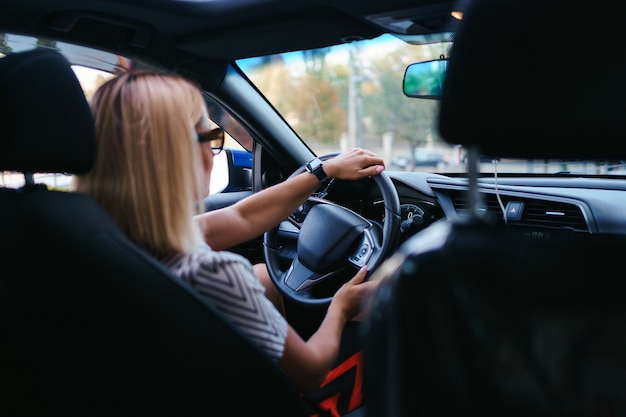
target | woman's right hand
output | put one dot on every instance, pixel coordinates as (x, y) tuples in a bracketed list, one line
[(308, 362), (349, 298)]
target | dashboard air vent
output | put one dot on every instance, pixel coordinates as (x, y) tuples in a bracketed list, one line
[(535, 212)]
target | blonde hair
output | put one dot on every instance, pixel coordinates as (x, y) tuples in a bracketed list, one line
[(145, 171)]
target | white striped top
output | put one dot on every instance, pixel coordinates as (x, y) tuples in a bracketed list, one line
[(227, 280)]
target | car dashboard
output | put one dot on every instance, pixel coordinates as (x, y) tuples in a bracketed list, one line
[(533, 204), (576, 203)]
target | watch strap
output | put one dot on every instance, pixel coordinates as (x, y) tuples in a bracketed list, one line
[(316, 167)]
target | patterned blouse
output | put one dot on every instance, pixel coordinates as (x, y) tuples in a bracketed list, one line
[(227, 280)]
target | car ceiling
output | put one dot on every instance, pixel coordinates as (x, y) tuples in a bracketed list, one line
[(173, 31)]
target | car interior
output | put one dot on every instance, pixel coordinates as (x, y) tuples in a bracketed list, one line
[(499, 291)]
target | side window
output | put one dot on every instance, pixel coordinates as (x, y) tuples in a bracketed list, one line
[(90, 79), (232, 168)]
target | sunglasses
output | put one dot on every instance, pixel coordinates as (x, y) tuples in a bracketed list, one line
[(215, 137)]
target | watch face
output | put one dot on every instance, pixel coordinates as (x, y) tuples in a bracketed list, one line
[(314, 164), (315, 167)]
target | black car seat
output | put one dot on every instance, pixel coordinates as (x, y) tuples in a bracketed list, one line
[(89, 324), (474, 318)]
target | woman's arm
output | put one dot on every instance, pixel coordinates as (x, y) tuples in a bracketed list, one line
[(308, 362), (258, 213)]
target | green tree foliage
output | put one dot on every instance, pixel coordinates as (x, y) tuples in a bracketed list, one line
[(309, 99), (314, 60), (324, 121), (315, 99), (407, 118), (4, 47)]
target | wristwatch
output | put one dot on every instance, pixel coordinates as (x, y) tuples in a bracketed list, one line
[(316, 168)]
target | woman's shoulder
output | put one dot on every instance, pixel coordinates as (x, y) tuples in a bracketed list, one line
[(203, 258), (205, 255)]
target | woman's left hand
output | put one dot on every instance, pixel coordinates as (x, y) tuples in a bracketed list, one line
[(353, 164)]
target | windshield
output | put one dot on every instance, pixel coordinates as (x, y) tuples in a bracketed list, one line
[(352, 95)]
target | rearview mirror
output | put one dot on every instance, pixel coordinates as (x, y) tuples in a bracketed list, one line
[(425, 79)]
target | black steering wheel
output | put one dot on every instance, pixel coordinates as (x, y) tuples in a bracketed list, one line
[(333, 243)]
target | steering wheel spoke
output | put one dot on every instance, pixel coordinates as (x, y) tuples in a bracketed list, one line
[(302, 280), (366, 249)]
